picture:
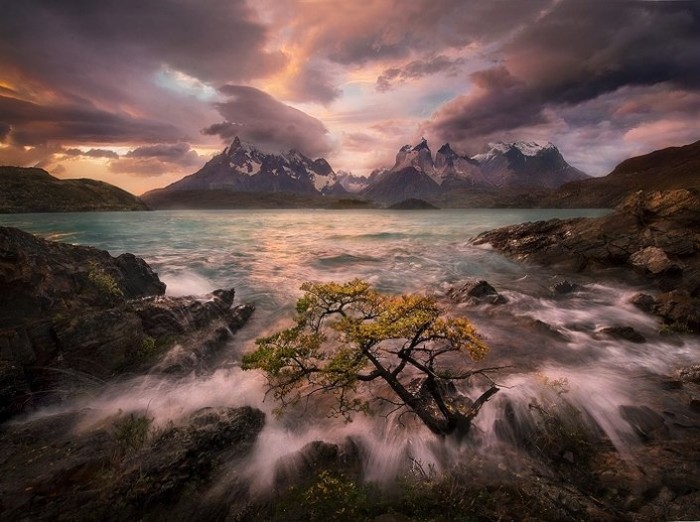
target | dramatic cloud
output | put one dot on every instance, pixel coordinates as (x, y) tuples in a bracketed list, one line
[(216, 40), (417, 69), (572, 55), (82, 81), (257, 117), (172, 152), (312, 83), (35, 124), (123, 70), (155, 160), (92, 153), (377, 30)]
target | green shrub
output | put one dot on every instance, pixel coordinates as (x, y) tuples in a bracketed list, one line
[(105, 283), (132, 432)]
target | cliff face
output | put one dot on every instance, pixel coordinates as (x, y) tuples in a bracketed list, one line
[(35, 190)]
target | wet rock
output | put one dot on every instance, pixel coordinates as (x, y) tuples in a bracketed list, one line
[(690, 374), (476, 291), (654, 233), (644, 302), (653, 260), (694, 403), (565, 287), (625, 333), (53, 471), (187, 456), (542, 328), (679, 310), (195, 351), (645, 422), (318, 456), (14, 389), (72, 314)]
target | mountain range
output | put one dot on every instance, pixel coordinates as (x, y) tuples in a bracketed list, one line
[(416, 173), (520, 174), (505, 168)]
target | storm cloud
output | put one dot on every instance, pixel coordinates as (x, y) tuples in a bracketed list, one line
[(257, 117), (417, 69), (83, 81), (572, 56)]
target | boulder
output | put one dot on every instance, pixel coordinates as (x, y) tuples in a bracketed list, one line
[(476, 291), (565, 287), (680, 310), (644, 302), (625, 333), (653, 260)]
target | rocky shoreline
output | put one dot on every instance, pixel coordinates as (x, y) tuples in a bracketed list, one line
[(656, 235), (71, 316)]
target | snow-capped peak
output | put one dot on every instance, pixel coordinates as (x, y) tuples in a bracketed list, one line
[(526, 148), (531, 148), (240, 145)]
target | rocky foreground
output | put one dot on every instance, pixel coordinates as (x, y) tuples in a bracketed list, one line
[(73, 315), (75, 318), (655, 234)]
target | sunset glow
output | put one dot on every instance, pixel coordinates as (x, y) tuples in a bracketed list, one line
[(93, 82)]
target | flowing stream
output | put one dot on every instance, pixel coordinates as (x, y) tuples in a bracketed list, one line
[(267, 254)]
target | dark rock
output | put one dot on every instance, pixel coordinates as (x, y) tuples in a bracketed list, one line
[(315, 457), (566, 287), (542, 328), (694, 403), (194, 350), (14, 389), (72, 314), (51, 471), (476, 292), (626, 333), (645, 422), (679, 310), (644, 302), (188, 455), (656, 233)]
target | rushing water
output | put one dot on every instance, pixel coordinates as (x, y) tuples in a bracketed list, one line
[(267, 254)]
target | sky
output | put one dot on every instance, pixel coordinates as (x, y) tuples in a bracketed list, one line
[(140, 93)]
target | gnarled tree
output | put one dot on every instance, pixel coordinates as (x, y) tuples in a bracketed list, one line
[(348, 336)]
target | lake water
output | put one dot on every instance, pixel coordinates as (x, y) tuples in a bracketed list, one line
[(267, 254)]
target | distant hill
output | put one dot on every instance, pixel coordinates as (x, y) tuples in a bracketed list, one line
[(670, 168), (224, 198), (413, 204), (35, 190)]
